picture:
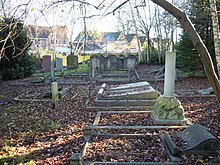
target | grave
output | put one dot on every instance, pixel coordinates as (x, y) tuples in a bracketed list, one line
[(72, 61), (46, 63), (168, 109), (93, 133), (194, 140), (112, 68), (132, 94), (59, 64), (44, 96)]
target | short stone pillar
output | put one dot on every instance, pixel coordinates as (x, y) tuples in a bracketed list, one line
[(52, 77), (168, 109), (54, 89)]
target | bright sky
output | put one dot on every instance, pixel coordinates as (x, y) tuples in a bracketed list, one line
[(71, 15)]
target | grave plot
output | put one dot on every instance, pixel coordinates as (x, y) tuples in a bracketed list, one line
[(74, 78), (126, 123), (123, 76), (44, 94), (140, 94), (130, 150), (195, 93), (136, 143)]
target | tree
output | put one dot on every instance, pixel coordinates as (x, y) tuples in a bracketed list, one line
[(197, 42), (215, 24), (16, 61)]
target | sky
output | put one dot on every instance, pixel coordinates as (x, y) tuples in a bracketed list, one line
[(70, 14)]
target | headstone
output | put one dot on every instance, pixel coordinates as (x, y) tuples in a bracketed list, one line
[(54, 89), (46, 63), (59, 64), (121, 62), (130, 62), (199, 141), (112, 62), (195, 140), (72, 61)]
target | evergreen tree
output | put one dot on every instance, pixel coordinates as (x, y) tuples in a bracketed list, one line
[(15, 61), (200, 15)]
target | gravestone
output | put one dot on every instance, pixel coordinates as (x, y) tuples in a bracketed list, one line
[(196, 140), (59, 64), (112, 62), (121, 62), (46, 63), (130, 62), (72, 61)]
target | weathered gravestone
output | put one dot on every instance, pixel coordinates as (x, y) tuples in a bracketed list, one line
[(121, 62), (112, 62), (72, 61), (59, 64), (46, 63), (130, 62), (196, 140)]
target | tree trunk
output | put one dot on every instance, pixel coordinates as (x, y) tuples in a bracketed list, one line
[(148, 47), (197, 42), (215, 34)]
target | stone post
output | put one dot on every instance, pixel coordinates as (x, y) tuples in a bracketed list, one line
[(169, 81), (52, 71), (168, 109), (54, 89)]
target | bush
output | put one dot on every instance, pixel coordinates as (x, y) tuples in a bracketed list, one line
[(17, 61)]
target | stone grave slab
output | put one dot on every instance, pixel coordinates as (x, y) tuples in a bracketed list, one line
[(141, 90), (195, 140), (133, 94)]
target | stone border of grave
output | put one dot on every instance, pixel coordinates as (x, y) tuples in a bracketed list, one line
[(132, 94), (61, 94), (89, 131)]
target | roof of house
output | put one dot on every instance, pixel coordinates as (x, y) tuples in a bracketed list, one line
[(81, 37), (88, 46), (142, 39), (111, 36), (129, 37)]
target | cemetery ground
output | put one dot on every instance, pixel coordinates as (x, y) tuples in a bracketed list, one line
[(32, 132)]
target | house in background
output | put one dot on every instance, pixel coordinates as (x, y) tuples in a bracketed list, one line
[(48, 39), (113, 42), (85, 43), (39, 36)]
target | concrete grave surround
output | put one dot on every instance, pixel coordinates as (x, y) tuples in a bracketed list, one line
[(133, 94), (112, 62)]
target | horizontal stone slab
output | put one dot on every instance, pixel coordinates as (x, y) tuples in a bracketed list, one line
[(130, 86), (125, 102)]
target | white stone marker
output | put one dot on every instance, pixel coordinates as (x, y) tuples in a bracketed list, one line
[(54, 89), (169, 74)]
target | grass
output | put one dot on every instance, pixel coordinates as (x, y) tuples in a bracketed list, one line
[(82, 68)]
